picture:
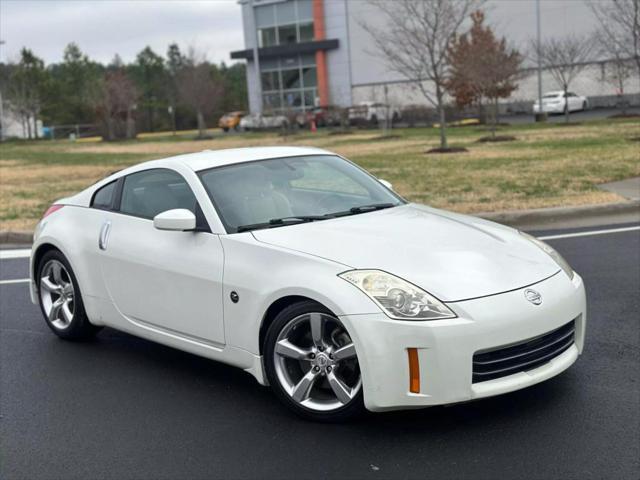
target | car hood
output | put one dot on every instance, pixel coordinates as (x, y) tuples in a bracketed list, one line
[(454, 257)]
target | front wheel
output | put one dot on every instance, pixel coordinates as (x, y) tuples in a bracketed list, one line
[(60, 298), (311, 364)]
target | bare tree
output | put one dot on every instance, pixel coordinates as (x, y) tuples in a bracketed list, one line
[(619, 26), (483, 67), (115, 106), (415, 40), (565, 58), (198, 88), (619, 67)]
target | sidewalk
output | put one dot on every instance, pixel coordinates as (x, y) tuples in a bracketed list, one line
[(629, 188)]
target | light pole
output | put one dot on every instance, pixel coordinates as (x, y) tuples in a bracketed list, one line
[(2, 42), (541, 116), (256, 60)]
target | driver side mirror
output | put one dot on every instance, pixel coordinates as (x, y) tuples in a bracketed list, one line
[(386, 184), (177, 220)]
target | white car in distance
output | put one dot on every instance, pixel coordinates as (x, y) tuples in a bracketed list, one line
[(299, 267), (558, 102), (256, 121)]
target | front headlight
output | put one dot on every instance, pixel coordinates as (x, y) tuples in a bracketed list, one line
[(398, 298), (562, 263)]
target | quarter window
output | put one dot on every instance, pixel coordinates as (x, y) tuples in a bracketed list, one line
[(148, 193), (103, 198)]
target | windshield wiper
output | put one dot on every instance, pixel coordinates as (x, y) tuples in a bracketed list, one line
[(363, 209), (278, 222)]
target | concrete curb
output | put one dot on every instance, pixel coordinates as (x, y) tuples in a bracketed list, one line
[(20, 237), (540, 218), (567, 217)]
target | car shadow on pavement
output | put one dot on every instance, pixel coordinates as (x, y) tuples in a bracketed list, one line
[(231, 389)]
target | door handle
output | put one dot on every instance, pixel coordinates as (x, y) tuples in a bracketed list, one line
[(104, 235)]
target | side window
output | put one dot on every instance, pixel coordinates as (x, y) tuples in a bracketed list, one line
[(103, 198), (148, 193)]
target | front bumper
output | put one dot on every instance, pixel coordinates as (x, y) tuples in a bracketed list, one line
[(446, 347)]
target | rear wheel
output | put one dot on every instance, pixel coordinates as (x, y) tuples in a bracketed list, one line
[(311, 364), (60, 298)]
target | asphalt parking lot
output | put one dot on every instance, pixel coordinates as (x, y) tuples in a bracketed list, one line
[(121, 407)]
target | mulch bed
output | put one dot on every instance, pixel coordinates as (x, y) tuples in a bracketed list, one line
[(497, 138), (340, 132), (447, 150), (487, 128), (624, 115), (385, 137)]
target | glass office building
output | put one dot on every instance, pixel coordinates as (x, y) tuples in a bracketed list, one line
[(292, 53)]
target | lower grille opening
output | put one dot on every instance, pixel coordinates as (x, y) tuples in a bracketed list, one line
[(523, 356)]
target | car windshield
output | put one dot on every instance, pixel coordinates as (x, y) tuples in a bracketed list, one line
[(284, 191), (552, 95)]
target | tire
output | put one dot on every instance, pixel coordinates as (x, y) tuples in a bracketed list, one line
[(373, 121), (61, 293), (306, 364), (225, 129), (584, 106)]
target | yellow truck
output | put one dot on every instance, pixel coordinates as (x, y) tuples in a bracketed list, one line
[(230, 121)]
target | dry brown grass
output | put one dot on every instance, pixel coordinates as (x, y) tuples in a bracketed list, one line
[(545, 167)]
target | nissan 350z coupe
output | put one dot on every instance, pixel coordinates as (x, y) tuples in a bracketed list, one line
[(304, 270)]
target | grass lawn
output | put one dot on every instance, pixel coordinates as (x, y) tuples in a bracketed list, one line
[(548, 165)]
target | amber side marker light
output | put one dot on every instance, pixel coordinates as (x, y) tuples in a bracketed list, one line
[(414, 370)]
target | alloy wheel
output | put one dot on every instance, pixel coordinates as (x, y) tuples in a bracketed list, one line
[(315, 362), (57, 294)]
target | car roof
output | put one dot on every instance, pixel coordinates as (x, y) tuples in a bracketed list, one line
[(218, 158)]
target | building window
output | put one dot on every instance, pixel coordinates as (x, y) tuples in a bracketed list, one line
[(270, 81), (306, 32), (267, 37), (309, 77), (289, 83), (293, 99), (287, 34), (291, 79), (284, 23), (272, 101)]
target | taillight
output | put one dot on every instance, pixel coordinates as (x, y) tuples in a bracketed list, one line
[(51, 209)]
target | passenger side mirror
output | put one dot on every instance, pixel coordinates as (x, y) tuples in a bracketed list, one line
[(386, 184), (178, 219)]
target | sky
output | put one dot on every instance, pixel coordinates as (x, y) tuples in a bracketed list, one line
[(103, 28)]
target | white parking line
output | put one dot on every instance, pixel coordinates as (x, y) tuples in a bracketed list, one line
[(17, 280), (18, 253), (588, 234)]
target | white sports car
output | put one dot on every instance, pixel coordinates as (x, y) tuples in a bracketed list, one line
[(558, 102), (304, 270)]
